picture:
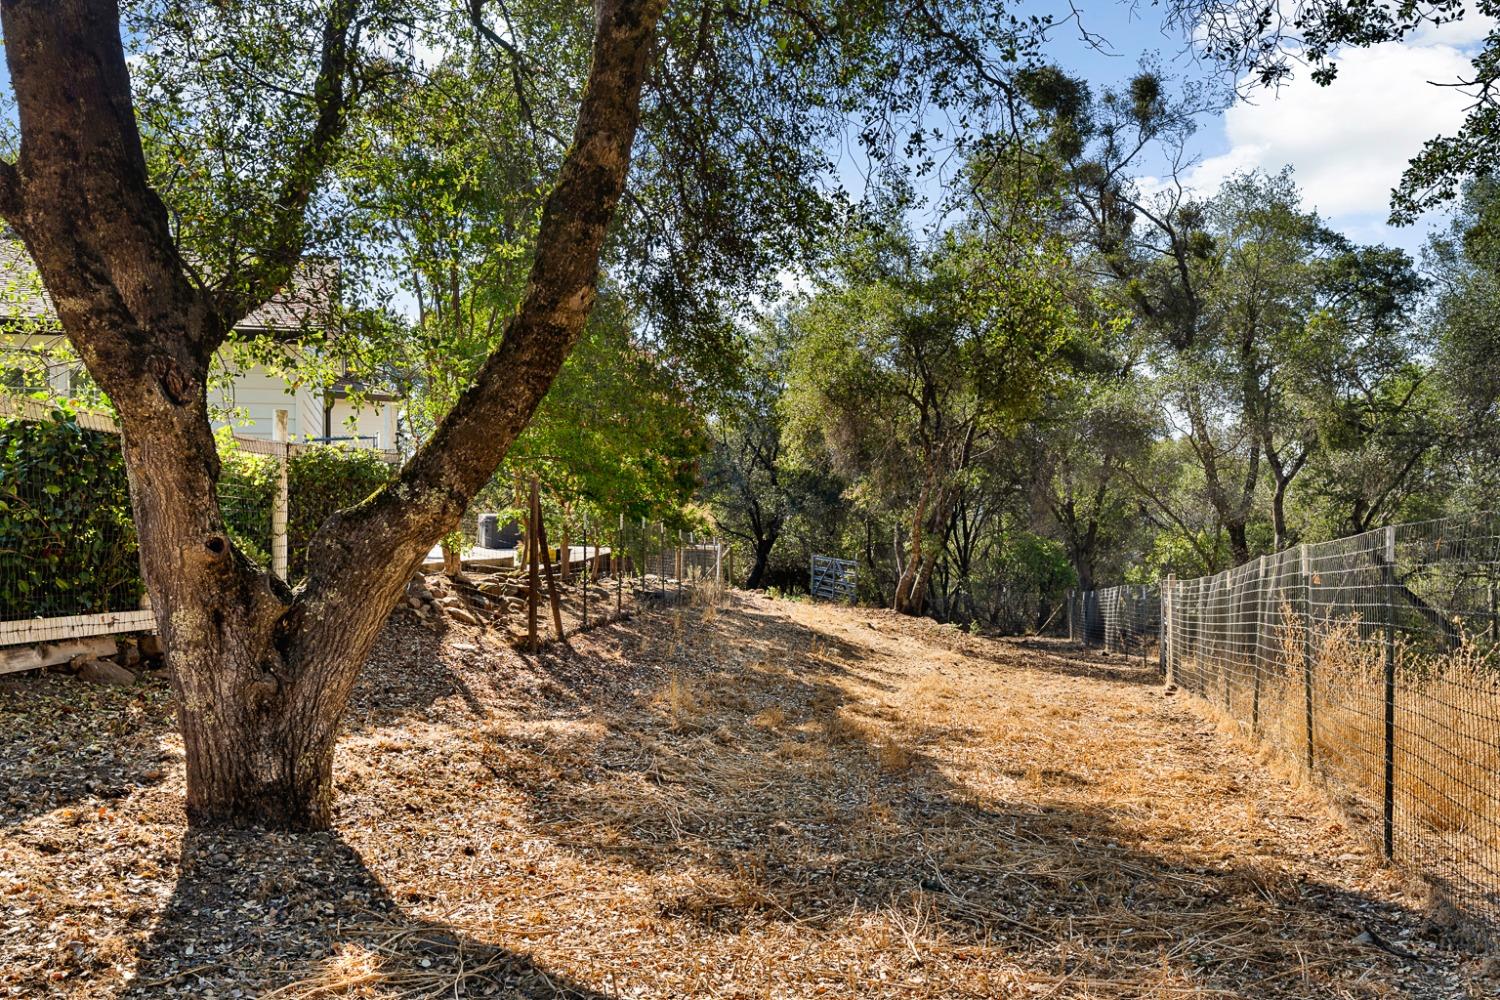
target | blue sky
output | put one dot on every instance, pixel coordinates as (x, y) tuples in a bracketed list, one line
[(1346, 143)]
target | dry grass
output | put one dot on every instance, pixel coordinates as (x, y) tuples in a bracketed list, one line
[(745, 799), (1446, 752)]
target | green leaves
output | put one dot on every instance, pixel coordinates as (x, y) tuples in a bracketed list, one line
[(320, 481), (67, 542)]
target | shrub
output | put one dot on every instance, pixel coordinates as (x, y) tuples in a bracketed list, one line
[(67, 543), (321, 480), (247, 487)]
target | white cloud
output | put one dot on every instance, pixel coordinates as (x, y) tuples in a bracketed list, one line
[(1349, 142)]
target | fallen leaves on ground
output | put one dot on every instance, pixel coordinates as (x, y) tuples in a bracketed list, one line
[(748, 798)]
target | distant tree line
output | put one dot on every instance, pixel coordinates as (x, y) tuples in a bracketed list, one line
[(1096, 376)]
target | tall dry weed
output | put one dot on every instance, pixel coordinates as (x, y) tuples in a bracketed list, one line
[(1446, 721)]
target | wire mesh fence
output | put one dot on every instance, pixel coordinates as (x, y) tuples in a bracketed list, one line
[(1123, 619), (69, 562), (1371, 663), (67, 543), (595, 573)]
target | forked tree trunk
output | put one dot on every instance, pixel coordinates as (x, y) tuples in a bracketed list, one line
[(930, 521), (906, 600), (262, 674)]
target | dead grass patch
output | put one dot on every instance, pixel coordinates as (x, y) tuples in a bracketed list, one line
[(666, 810)]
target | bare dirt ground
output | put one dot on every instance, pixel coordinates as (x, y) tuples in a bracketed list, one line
[(755, 799)]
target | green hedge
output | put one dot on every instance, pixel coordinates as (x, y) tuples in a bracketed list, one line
[(321, 480), (67, 543)]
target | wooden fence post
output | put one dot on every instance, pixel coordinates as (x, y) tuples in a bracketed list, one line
[(541, 538), (533, 571), (1168, 647), (281, 501), (1260, 624)]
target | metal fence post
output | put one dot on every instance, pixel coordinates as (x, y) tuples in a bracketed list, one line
[(1388, 571), (1307, 651), (281, 501), (1260, 624), (1168, 610)]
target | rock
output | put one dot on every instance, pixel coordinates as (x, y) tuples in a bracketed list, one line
[(451, 601), (150, 646), (415, 602), (459, 613), (128, 654), (96, 671)]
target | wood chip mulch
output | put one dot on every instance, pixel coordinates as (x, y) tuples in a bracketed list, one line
[(739, 797)]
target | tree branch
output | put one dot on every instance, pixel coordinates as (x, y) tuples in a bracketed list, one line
[(272, 270), (364, 555), (10, 192)]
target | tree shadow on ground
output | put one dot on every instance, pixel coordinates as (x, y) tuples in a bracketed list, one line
[(761, 792), (1068, 658), (64, 741), (300, 915)]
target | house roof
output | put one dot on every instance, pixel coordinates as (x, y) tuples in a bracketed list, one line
[(304, 304)]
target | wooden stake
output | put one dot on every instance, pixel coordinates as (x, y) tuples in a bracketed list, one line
[(533, 576), (541, 537)]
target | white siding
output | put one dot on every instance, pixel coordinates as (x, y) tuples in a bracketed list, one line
[(371, 420), (256, 395)]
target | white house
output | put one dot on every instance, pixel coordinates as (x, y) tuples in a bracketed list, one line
[(35, 355)]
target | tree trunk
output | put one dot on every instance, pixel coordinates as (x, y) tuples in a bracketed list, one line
[(1239, 542), (906, 600), (762, 549), (262, 675), (918, 602), (453, 560), (1278, 516)]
